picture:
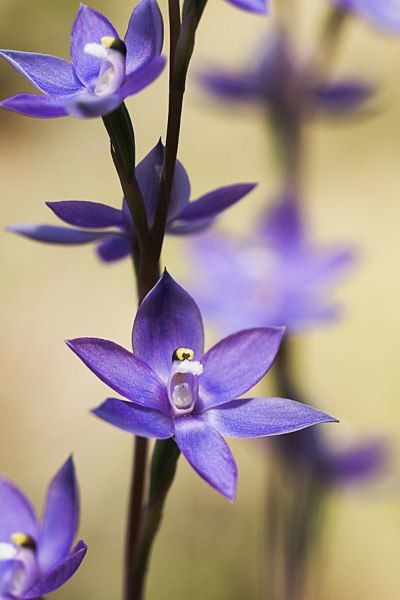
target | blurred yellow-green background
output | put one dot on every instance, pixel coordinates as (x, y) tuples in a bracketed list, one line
[(208, 548)]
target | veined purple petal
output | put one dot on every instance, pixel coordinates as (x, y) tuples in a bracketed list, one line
[(89, 27), (60, 518), (167, 319), (114, 248), (256, 6), (88, 106), (140, 79), (39, 106), (16, 512), (208, 454), (124, 372), (49, 74), (144, 36), (257, 417), (56, 235), (86, 214), (236, 364), (213, 203), (135, 419), (60, 573)]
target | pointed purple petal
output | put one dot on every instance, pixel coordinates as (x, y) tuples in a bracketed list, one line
[(89, 27), (140, 79), (144, 36), (88, 106), (122, 371), (86, 214), (135, 419), (49, 74), (114, 248), (213, 203), (167, 319), (36, 105), (56, 235), (256, 6), (16, 512), (63, 571), (236, 364), (60, 518), (258, 417), (208, 454)]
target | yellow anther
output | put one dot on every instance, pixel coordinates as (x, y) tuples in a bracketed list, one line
[(183, 354), (107, 41), (23, 540)]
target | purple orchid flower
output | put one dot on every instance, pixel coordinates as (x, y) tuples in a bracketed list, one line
[(384, 14), (277, 278), (184, 216), (36, 557), (104, 70), (174, 390), (274, 79)]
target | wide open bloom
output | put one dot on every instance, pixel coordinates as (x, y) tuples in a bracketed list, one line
[(384, 14), (175, 390), (35, 555), (104, 70), (277, 277), (275, 79), (114, 229)]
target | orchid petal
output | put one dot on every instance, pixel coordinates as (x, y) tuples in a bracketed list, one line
[(16, 512), (144, 36), (86, 214), (136, 81), (236, 364), (256, 6), (56, 235), (39, 106), (60, 518), (283, 228), (135, 419), (208, 454), (114, 248), (122, 371), (88, 106), (167, 319), (362, 462), (232, 87), (341, 97)]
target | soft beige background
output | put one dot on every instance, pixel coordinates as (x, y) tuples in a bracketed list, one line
[(207, 548)]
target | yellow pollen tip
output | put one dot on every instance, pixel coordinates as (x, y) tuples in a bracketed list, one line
[(183, 354), (23, 540), (107, 41)]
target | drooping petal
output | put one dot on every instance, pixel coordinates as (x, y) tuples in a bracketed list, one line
[(86, 214), (56, 235), (16, 512), (88, 106), (258, 417), (39, 106), (256, 6), (144, 36), (340, 97), (60, 573), (236, 364), (208, 454), (124, 372), (167, 319), (49, 74), (135, 419), (60, 517), (89, 27), (114, 248)]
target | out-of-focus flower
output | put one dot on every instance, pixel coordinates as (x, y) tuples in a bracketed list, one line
[(277, 277), (174, 390), (255, 6), (36, 557), (184, 216), (104, 70), (384, 14), (274, 79)]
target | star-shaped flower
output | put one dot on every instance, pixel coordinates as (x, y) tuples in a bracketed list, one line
[(384, 14), (277, 277), (104, 69), (36, 556), (184, 216), (175, 390)]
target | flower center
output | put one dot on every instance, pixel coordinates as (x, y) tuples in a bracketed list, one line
[(23, 570), (183, 385), (112, 52)]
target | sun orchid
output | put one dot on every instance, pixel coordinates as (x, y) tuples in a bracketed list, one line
[(35, 555), (104, 69), (175, 390), (117, 242)]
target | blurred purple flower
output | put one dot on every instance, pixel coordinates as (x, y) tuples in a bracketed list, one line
[(275, 80), (36, 557), (104, 70), (184, 216), (255, 6), (384, 14), (195, 401), (278, 277)]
